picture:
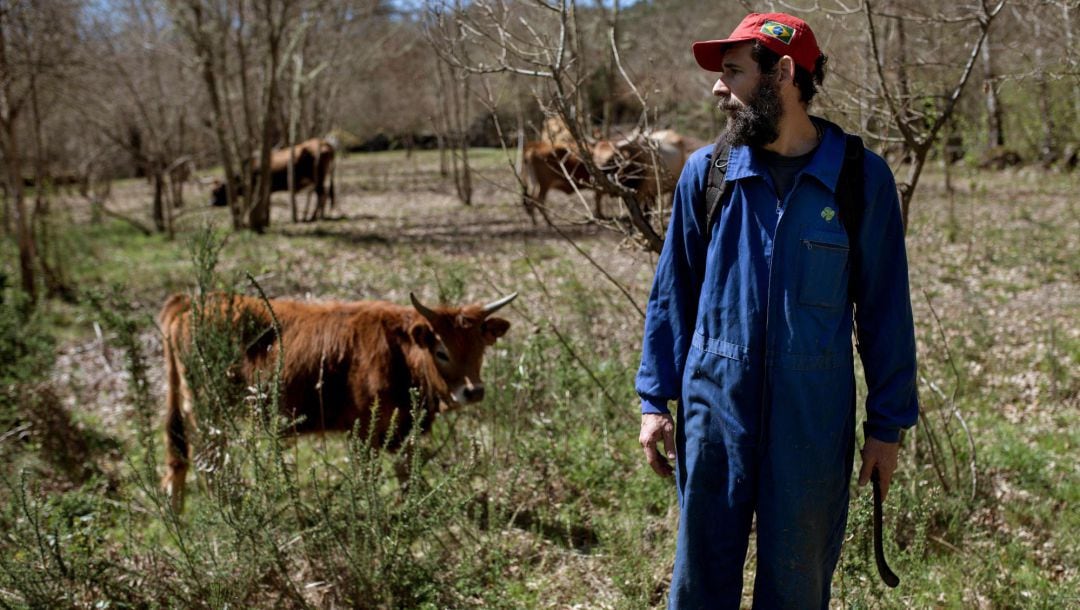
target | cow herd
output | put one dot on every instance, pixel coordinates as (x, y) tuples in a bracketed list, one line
[(359, 366), (648, 163)]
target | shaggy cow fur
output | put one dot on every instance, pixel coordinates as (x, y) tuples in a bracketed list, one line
[(340, 361)]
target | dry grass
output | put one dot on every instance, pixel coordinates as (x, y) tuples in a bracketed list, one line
[(1001, 273)]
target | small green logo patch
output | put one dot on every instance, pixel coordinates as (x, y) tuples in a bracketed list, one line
[(779, 31), (828, 214)]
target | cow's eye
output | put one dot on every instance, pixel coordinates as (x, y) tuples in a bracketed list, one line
[(442, 355)]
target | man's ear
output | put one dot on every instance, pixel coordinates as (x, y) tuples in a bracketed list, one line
[(786, 70), (493, 328)]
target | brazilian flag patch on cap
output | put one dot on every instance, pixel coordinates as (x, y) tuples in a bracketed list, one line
[(779, 31)]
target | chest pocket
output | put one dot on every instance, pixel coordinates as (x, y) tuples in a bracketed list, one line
[(823, 260)]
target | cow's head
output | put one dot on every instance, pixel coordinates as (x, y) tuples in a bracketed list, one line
[(219, 196), (450, 342)]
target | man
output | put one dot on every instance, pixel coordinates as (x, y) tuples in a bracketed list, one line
[(749, 329)]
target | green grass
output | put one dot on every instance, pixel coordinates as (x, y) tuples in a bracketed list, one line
[(540, 496)]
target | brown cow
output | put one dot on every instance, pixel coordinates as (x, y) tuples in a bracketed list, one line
[(648, 163), (546, 166), (341, 360), (313, 166)]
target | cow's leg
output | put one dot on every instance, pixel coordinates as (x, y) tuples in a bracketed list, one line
[(531, 204), (177, 449), (527, 203), (307, 206), (333, 199), (320, 201)]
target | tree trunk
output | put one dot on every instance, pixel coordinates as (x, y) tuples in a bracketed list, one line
[(159, 198), (612, 69), (23, 233), (1070, 55), (294, 115), (465, 192), (994, 134), (229, 167), (8, 114), (1048, 145), (260, 210)]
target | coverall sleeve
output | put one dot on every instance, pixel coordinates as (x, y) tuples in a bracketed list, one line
[(884, 326), (672, 310)]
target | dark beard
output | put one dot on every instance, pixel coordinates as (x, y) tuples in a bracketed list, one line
[(757, 123)]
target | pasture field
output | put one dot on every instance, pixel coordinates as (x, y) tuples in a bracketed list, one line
[(540, 496)]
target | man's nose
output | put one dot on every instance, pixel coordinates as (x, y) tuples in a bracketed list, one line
[(720, 89)]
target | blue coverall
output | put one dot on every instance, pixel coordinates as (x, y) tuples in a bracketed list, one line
[(750, 332)]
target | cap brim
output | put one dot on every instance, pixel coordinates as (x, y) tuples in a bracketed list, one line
[(710, 53)]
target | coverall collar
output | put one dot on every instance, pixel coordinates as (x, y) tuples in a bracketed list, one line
[(824, 165)]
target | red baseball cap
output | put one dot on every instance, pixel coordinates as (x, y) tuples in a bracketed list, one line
[(779, 32)]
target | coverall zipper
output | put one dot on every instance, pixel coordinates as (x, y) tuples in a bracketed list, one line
[(781, 206)]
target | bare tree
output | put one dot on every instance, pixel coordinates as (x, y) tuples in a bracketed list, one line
[(540, 40), (36, 42), (159, 92), (920, 127), (995, 132)]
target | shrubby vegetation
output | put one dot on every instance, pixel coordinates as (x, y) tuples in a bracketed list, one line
[(538, 497)]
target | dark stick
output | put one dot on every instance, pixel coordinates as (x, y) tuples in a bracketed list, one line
[(887, 575)]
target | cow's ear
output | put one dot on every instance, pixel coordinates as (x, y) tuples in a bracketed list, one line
[(422, 335), (494, 328)]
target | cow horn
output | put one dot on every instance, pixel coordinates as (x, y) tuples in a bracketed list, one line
[(494, 306), (424, 311)]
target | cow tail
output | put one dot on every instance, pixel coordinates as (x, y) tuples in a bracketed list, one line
[(177, 447)]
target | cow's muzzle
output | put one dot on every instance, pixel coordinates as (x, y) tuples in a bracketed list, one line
[(469, 393)]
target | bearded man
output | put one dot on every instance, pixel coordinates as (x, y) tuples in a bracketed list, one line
[(749, 327)]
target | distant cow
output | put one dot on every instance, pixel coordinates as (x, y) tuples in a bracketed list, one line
[(313, 165), (648, 163), (544, 167), (341, 360)]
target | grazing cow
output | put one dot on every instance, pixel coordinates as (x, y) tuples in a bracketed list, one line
[(313, 166), (341, 361), (632, 161), (542, 169), (555, 132)]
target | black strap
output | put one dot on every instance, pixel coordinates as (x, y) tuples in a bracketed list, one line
[(849, 197), (717, 189)]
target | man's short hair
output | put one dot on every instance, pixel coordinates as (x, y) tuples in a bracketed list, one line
[(806, 82)]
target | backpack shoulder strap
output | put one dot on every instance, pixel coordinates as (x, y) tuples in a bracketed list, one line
[(717, 189), (851, 200)]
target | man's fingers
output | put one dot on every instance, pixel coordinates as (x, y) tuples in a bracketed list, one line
[(864, 472), (655, 428), (659, 465), (669, 442)]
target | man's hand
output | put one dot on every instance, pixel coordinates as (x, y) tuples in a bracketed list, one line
[(875, 454), (655, 427)]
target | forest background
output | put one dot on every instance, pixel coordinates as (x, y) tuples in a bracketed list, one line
[(116, 115)]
